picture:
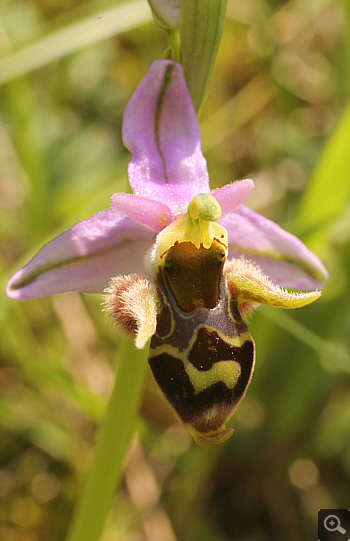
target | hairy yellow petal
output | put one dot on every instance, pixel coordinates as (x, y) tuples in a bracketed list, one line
[(247, 283)]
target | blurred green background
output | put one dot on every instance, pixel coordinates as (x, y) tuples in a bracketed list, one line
[(276, 112)]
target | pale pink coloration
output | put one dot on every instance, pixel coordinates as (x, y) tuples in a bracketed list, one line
[(149, 212), (84, 258), (280, 255), (166, 171), (160, 128), (232, 195)]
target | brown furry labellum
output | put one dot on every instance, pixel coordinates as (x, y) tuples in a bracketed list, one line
[(193, 311)]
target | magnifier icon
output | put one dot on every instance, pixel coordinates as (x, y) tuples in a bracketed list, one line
[(332, 524)]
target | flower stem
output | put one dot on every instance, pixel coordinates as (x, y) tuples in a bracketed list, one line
[(113, 438), (174, 42)]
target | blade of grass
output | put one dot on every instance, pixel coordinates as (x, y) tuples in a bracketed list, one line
[(114, 437), (21, 109), (309, 338), (329, 188), (69, 39)]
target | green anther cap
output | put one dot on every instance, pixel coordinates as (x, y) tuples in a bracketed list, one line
[(197, 226), (205, 207), (202, 210)]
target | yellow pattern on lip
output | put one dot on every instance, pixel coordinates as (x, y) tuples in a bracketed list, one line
[(226, 371)]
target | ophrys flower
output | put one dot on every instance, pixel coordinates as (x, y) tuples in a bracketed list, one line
[(199, 260)]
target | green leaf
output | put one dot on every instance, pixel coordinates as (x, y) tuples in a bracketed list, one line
[(329, 188), (201, 27), (308, 337)]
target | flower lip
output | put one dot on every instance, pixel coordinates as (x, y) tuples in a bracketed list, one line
[(194, 274)]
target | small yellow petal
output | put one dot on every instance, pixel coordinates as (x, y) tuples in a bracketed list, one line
[(247, 283)]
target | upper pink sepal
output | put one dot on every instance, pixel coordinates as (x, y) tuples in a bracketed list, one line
[(160, 128), (280, 255), (144, 210), (84, 258), (232, 195)]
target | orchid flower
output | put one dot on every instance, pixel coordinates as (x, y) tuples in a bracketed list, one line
[(181, 266)]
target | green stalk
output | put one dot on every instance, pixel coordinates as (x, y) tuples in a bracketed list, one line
[(174, 43), (113, 439), (308, 337)]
